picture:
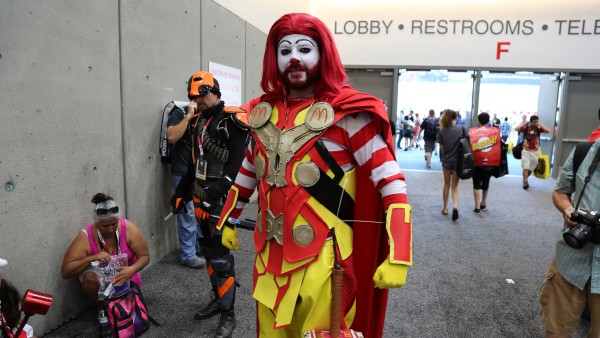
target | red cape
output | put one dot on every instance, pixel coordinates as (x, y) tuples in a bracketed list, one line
[(370, 240)]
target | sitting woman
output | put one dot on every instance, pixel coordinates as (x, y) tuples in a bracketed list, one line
[(10, 316), (108, 236)]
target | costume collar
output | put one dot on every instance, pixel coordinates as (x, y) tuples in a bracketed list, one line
[(212, 111)]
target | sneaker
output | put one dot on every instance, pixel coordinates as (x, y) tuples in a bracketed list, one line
[(212, 309), (477, 211), (482, 206), (196, 263), (226, 325)]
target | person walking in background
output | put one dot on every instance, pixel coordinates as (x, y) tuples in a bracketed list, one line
[(531, 146), (400, 129), (430, 127), (459, 120), (409, 129), (302, 230), (416, 133), (485, 145), (219, 138), (505, 130), (448, 138), (520, 134), (178, 133), (496, 121)]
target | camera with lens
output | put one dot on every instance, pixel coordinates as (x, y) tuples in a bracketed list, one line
[(587, 229)]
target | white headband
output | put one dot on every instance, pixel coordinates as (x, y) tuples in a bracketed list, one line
[(107, 210)]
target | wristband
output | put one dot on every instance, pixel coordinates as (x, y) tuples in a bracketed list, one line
[(569, 209)]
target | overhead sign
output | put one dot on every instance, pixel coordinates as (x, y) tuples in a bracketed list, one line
[(532, 34), (467, 34)]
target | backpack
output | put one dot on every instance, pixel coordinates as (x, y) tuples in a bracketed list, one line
[(127, 314), (164, 148), (431, 127), (581, 151)]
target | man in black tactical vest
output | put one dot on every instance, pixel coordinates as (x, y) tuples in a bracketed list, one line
[(219, 138)]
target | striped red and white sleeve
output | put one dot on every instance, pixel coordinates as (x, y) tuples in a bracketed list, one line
[(245, 182), (368, 148)]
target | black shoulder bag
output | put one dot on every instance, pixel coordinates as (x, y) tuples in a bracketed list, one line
[(465, 157)]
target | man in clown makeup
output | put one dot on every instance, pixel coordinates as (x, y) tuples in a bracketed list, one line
[(330, 192)]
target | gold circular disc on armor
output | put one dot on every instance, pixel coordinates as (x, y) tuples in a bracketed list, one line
[(259, 167), (319, 117), (303, 235), (260, 115), (307, 174)]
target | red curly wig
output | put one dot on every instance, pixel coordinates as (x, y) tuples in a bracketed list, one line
[(333, 75)]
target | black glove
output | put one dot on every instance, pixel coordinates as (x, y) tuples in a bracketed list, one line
[(208, 202), (178, 204)]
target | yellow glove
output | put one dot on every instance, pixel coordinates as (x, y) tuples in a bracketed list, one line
[(229, 238), (390, 275)]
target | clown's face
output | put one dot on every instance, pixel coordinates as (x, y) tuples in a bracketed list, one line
[(297, 60)]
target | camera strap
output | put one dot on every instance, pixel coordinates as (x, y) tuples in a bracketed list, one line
[(591, 170)]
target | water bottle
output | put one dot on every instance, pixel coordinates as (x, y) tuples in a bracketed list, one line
[(104, 326)]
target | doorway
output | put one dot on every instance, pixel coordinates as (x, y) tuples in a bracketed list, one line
[(422, 90), (510, 95), (517, 96)]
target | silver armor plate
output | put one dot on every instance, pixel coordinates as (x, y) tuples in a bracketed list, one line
[(303, 234), (307, 174)]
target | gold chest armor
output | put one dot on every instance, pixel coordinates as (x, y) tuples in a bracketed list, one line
[(282, 145)]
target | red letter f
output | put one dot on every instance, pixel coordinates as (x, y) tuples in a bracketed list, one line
[(499, 49)]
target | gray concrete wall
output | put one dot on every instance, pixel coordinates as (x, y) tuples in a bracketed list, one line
[(83, 85)]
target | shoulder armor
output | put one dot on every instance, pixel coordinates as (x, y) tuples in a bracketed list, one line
[(238, 115)]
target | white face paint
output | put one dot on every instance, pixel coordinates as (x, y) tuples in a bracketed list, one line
[(297, 54)]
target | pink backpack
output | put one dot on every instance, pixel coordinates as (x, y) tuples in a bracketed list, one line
[(127, 314)]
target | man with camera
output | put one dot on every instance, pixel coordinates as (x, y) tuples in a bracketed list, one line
[(573, 279)]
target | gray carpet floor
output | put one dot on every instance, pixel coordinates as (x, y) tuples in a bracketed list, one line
[(475, 277)]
